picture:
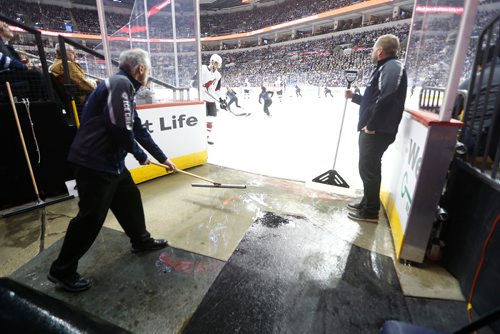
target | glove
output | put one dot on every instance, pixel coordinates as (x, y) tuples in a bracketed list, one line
[(223, 104)]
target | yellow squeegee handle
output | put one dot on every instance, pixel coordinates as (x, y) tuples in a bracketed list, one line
[(184, 172), (75, 113)]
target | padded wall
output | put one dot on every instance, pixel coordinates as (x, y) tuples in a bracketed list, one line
[(53, 136), (473, 204)]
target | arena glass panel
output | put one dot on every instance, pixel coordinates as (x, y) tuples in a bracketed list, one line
[(432, 44), (167, 30)]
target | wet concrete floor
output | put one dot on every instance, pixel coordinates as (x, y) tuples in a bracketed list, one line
[(161, 291)]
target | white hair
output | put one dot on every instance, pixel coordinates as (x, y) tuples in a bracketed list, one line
[(131, 59), (66, 46)]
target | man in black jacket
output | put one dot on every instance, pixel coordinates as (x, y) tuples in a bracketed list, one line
[(110, 129), (24, 81), (380, 111)]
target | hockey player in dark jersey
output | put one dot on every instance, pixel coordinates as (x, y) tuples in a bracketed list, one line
[(297, 91), (266, 97), (328, 92), (231, 95)]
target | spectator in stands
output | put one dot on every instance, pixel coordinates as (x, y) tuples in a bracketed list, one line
[(7, 62), (381, 110), (110, 129), (483, 117), (25, 81), (82, 86)]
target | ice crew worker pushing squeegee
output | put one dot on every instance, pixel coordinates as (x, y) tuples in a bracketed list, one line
[(110, 129)]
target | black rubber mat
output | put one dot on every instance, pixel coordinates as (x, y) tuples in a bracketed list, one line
[(151, 293), (290, 276), (443, 315)]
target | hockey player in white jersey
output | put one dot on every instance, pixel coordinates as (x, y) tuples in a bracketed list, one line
[(279, 88), (246, 90), (211, 84)]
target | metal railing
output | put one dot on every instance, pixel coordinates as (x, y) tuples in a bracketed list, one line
[(481, 132), (179, 93), (431, 98)]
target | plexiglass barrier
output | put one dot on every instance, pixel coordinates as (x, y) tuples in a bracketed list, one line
[(432, 42), (167, 30)]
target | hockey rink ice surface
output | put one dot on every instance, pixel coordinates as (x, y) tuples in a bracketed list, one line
[(298, 142)]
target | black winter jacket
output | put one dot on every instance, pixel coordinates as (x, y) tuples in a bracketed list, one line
[(110, 128), (381, 106)]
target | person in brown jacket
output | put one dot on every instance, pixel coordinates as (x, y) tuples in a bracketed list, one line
[(82, 86)]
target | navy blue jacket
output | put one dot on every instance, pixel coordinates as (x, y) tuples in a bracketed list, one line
[(9, 59), (110, 128), (381, 106), (266, 96)]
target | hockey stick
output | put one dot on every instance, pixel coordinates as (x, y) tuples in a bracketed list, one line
[(227, 108)]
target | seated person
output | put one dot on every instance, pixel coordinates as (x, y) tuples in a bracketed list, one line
[(24, 81), (82, 86), (476, 127), (7, 63)]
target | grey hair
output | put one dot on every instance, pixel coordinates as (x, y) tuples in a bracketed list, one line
[(67, 46), (131, 59)]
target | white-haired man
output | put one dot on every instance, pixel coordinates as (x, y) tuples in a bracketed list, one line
[(83, 87), (211, 85), (110, 129)]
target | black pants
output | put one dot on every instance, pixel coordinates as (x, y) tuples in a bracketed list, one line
[(267, 103), (233, 100), (371, 150), (99, 192), (211, 109)]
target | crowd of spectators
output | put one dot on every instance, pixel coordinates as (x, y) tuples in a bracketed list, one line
[(85, 20), (431, 51), (319, 62), (260, 17), (51, 17), (322, 62)]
